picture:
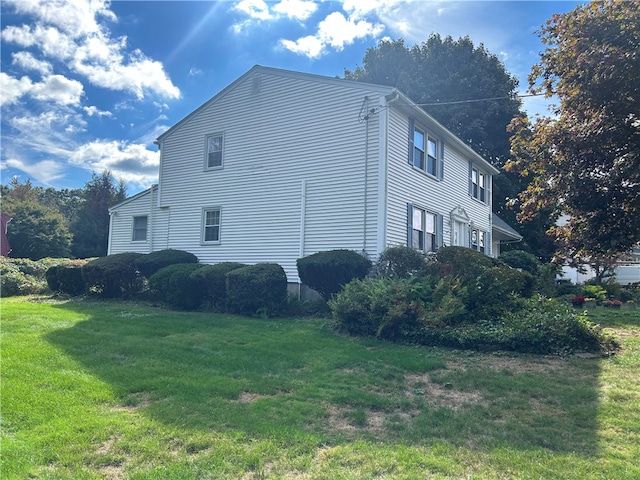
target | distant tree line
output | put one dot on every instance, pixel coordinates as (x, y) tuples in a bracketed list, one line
[(68, 223)]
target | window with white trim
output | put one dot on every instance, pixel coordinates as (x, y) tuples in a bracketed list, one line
[(478, 240), (214, 145), (479, 185), (423, 230), (139, 229), (426, 152), (211, 225)]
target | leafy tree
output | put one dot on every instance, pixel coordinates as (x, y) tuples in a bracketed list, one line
[(90, 228), (37, 231), (585, 161), (451, 79)]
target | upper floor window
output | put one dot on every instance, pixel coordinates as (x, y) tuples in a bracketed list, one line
[(211, 225), (139, 229), (478, 185), (425, 151), (214, 151)]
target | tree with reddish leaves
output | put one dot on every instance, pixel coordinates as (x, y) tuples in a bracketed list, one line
[(584, 162)]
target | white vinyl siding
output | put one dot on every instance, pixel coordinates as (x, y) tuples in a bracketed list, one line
[(122, 224), (406, 186), (301, 131), (300, 172)]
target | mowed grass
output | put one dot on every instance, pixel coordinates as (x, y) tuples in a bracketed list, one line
[(111, 390)]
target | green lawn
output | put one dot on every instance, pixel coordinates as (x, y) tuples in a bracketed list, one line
[(118, 390)]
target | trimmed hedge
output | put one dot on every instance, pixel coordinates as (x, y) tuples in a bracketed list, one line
[(113, 276), (260, 288), (213, 279), (65, 279), (178, 287), (150, 263), (327, 272)]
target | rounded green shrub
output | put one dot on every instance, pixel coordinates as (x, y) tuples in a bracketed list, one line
[(461, 262), (327, 272), (177, 286), (260, 288), (521, 260), (65, 279), (213, 279), (113, 276), (150, 263), (401, 262), (382, 307), (13, 281)]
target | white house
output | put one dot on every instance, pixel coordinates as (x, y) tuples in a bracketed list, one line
[(282, 164)]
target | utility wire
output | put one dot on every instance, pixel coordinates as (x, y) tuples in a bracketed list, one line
[(478, 100)]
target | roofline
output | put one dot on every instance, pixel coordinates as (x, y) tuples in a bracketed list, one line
[(132, 198), (383, 90), (392, 94), (509, 231)]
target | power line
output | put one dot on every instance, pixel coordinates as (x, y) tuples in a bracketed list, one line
[(478, 100)]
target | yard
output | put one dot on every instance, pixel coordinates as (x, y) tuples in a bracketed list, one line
[(113, 390)]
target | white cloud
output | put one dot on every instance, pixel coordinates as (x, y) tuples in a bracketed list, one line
[(11, 89), (27, 61), (133, 163), (59, 89), (296, 9), (255, 9), (335, 31), (68, 31), (94, 111), (75, 17), (56, 88), (45, 133), (45, 171), (360, 8)]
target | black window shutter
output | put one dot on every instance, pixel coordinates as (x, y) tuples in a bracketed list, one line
[(441, 162), (412, 128), (439, 231), (409, 225)]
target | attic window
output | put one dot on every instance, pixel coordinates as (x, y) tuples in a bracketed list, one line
[(214, 152)]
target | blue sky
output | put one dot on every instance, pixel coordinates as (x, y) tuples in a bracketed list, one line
[(88, 85)]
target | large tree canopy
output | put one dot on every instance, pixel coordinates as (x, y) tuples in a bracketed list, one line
[(464, 87), (585, 161)]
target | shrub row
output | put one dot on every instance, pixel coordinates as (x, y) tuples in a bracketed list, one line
[(464, 299)]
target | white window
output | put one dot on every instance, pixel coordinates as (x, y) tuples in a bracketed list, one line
[(139, 229), (478, 239), (479, 185), (213, 158), (432, 155), (211, 225), (425, 151), (423, 230)]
